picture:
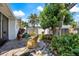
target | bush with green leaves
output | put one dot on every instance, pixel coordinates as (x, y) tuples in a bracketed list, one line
[(42, 36), (66, 45)]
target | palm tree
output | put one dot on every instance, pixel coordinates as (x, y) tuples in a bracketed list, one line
[(33, 20), (24, 24)]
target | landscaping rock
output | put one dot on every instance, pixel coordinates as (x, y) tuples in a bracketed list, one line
[(40, 50)]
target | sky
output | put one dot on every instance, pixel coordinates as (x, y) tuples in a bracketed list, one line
[(23, 10), (75, 10)]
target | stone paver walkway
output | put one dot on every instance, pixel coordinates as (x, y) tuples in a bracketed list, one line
[(12, 48)]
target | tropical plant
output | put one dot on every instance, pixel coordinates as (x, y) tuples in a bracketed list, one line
[(24, 24), (33, 19), (66, 45)]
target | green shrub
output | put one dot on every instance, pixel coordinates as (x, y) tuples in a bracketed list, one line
[(42, 36), (66, 45)]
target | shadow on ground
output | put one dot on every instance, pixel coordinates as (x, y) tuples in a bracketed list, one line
[(12, 45)]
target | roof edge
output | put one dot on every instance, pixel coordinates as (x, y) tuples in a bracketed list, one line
[(10, 10)]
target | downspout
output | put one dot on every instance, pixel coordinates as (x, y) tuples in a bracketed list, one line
[(1, 25)]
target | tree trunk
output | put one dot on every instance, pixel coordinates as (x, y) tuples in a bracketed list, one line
[(61, 24), (59, 30), (54, 31)]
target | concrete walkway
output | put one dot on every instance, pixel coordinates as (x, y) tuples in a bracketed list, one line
[(12, 48)]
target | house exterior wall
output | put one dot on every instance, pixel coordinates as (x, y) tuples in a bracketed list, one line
[(38, 30), (13, 29), (12, 22), (30, 29), (3, 25)]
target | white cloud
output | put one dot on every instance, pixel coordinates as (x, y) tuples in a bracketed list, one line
[(40, 8), (19, 13), (74, 9), (24, 19)]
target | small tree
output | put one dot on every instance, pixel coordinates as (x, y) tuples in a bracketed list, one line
[(55, 15), (64, 16)]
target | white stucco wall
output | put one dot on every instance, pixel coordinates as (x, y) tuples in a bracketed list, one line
[(40, 30), (16, 27), (12, 32)]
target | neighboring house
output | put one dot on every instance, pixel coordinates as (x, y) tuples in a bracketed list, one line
[(65, 29), (38, 30), (8, 23)]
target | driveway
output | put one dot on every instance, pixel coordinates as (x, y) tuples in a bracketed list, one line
[(14, 47)]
